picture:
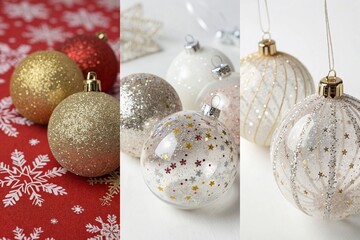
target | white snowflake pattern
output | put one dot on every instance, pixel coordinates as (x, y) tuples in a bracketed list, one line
[(9, 116), (30, 180), (34, 142), (109, 4), (44, 33), (20, 235), (68, 3), (113, 182), (54, 221), (109, 230), (3, 27), (77, 209), (26, 11), (86, 19), (10, 57)]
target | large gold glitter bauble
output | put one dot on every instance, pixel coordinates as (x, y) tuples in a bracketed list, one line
[(84, 133), (271, 83), (41, 81)]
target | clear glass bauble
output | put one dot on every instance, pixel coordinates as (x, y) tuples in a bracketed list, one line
[(189, 160), (316, 156), (190, 72), (270, 87), (224, 94)]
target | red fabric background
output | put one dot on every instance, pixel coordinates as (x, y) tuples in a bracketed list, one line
[(27, 26)]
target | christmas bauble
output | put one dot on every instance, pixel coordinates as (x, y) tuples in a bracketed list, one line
[(271, 83), (93, 53), (145, 99), (225, 95), (191, 70), (316, 155), (83, 131), (189, 160), (41, 81)]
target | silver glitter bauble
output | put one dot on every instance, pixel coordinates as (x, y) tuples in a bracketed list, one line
[(145, 99), (316, 156), (189, 160), (271, 84)]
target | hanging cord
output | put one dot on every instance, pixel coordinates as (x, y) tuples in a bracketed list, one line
[(266, 31), (329, 43)]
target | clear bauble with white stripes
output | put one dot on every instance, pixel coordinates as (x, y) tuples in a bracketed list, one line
[(271, 83), (316, 156)]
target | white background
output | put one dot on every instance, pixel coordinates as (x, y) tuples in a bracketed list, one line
[(298, 27), (143, 216)]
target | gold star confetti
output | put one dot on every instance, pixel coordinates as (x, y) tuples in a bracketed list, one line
[(320, 174), (188, 198), (167, 124), (351, 165), (350, 202), (340, 190), (160, 188), (188, 117), (212, 183), (211, 147), (311, 149), (137, 34), (194, 188), (231, 149), (190, 125), (346, 135), (326, 149), (352, 181), (305, 192), (344, 152), (227, 142), (176, 131), (165, 156), (325, 130), (188, 145), (224, 132), (305, 162), (173, 197), (208, 135)]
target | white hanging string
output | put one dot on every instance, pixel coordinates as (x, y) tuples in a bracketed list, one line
[(266, 31), (329, 43)]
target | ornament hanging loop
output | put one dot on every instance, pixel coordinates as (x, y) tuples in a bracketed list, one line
[(266, 36), (216, 57), (266, 31), (331, 73), (217, 103)]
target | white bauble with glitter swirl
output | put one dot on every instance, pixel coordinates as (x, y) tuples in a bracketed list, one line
[(190, 71), (189, 160), (316, 156), (270, 85)]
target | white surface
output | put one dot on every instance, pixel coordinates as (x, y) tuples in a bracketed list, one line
[(143, 216), (299, 29)]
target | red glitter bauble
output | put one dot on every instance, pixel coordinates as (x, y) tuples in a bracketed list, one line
[(92, 53)]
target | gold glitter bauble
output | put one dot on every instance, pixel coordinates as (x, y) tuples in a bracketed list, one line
[(41, 81), (84, 133)]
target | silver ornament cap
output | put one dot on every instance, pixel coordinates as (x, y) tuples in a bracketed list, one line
[(210, 111), (221, 71), (192, 45)]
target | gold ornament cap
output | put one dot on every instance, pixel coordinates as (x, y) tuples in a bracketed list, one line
[(102, 36), (331, 86), (267, 47), (91, 83), (192, 45)]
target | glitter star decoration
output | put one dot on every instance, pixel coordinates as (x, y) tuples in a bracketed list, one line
[(137, 34)]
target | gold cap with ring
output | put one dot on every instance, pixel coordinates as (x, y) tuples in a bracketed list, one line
[(331, 86), (91, 83), (102, 36), (267, 47)]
